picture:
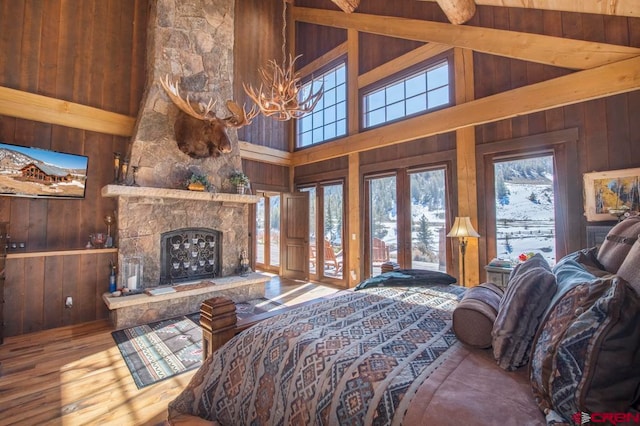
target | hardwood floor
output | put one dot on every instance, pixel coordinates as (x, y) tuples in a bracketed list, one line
[(75, 375)]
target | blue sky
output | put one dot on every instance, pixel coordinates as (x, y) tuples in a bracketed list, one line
[(69, 161)]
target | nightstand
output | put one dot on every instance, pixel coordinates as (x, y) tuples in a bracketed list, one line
[(498, 275)]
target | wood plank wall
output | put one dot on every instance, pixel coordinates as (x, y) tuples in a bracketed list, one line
[(258, 25), (91, 52), (36, 289), (267, 177)]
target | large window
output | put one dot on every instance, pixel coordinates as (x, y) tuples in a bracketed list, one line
[(422, 91), (525, 212), (329, 118)]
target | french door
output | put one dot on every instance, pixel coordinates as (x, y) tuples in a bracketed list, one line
[(326, 231), (406, 212), (267, 244)]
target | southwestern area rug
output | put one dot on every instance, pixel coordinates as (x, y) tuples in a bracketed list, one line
[(163, 349)]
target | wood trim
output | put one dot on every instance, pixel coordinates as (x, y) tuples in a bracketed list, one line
[(556, 51), (353, 100), (323, 177), (29, 106), (466, 162), (608, 80), (527, 142), (403, 62), (25, 255), (434, 159), (353, 267), (264, 154), (610, 7)]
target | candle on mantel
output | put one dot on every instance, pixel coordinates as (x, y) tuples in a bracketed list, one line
[(132, 282)]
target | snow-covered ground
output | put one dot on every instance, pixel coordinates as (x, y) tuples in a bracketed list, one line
[(523, 225), (526, 226)]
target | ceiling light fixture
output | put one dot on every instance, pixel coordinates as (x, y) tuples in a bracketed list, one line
[(279, 95)]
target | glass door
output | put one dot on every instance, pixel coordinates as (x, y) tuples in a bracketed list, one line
[(383, 222), (267, 242), (406, 219), (333, 226), (313, 243), (428, 219)]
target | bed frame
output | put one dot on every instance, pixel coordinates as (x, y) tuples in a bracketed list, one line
[(220, 323)]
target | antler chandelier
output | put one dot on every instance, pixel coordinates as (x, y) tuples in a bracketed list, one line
[(279, 95)]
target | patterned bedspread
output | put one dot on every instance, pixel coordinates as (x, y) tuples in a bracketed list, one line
[(352, 360)]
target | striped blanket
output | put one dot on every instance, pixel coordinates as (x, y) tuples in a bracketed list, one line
[(355, 359)]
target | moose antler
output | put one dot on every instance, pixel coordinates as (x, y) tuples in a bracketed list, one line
[(185, 104), (203, 134), (239, 116)]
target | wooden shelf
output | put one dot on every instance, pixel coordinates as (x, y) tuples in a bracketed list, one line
[(26, 254), (181, 194)]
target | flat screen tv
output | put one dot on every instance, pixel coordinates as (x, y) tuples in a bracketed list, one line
[(41, 173)]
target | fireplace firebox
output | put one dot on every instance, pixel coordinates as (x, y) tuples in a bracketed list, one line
[(189, 254)]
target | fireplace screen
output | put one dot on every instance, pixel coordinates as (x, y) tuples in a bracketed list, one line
[(189, 254)]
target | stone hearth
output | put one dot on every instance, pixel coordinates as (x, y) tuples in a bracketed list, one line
[(139, 309)]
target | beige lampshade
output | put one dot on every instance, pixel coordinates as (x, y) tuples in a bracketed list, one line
[(462, 227)]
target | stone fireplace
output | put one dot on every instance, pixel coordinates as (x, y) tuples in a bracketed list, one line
[(192, 43), (158, 219)]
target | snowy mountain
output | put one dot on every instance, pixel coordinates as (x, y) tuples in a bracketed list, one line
[(12, 161)]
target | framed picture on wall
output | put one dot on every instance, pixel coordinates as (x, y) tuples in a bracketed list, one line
[(609, 195)]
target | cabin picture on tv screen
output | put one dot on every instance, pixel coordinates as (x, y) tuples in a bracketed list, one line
[(33, 172)]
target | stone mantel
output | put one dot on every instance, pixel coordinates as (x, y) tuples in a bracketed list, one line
[(178, 194)]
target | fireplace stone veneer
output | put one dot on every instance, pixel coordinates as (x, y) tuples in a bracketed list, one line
[(145, 214)]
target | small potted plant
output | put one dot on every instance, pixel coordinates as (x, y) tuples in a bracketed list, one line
[(240, 180), (197, 182)]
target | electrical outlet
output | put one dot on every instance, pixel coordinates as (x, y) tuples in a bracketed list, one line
[(68, 303)]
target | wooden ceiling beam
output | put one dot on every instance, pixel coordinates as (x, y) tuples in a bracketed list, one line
[(347, 6), (458, 11), (607, 80), (30, 106), (610, 7), (549, 50)]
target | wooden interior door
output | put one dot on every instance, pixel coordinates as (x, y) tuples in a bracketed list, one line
[(294, 242)]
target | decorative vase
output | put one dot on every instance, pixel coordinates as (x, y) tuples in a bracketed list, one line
[(240, 188), (195, 186)]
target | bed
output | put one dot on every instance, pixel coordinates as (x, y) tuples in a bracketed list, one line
[(370, 357), (558, 345)]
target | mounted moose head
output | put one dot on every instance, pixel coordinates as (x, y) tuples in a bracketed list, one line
[(203, 134)]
